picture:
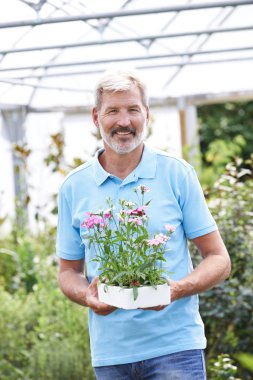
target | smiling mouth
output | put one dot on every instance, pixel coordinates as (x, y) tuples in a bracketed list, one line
[(123, 132)]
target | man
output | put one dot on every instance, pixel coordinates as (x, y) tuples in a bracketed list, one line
[(163, 342)]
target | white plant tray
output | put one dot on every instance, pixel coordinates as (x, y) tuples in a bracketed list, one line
[(123, 298)]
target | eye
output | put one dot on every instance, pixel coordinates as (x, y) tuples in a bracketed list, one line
[(134, 109), (112, 111)]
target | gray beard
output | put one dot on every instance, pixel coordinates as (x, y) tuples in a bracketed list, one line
[(123, 148)]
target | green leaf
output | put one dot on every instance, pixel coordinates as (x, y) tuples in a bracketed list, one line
[(135, 293), (140, 239), (246, 360), (119, 275), (115, 240), (145, 266)]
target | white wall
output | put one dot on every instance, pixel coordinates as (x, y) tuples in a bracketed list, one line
[(166, 134)]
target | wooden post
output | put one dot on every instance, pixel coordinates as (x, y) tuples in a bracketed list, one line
[(182, 119)]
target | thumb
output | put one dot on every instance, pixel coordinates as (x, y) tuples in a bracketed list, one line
[(95, 280), (93, 286)]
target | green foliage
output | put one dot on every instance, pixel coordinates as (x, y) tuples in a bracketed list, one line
[(227, 309), (222, 368), (20, 255), (225, 122), (220, 152), (42, 334), (55, 157), (225, 133), (246, 360)]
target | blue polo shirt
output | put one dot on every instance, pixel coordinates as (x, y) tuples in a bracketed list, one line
[(177, 199)]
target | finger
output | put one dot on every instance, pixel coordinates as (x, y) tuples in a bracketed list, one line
[(99, 307), (95, 281), (104, 310), (93, 287), (155, 308), (104, 313)]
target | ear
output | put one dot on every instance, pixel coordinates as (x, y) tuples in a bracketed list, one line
[(95, 116), (147, 115)]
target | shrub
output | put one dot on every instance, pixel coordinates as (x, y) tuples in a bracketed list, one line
[(227, 309), (42, 334), (222, 368)]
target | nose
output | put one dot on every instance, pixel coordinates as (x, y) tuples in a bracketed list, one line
[(123, 120)]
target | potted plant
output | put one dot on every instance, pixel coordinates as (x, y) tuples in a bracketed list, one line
[(130, 261)]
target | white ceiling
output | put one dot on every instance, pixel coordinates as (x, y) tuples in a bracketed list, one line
[(218, 58)]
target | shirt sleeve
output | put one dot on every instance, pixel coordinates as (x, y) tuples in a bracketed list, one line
[(69, 244), (197, 219)]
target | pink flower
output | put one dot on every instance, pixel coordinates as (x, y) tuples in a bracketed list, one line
[(138, 211), (143, 189), (153, 242), (107, 215), (92, 221), (135, 221), (158, 239), (170, 228), (126, 212), (162, 238)]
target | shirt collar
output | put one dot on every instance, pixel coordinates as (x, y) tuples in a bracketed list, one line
[(145, 169)]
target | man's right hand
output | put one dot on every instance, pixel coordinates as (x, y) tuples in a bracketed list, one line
[(76, 287), (92, 301)]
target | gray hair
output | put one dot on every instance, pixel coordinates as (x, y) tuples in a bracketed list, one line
[(119, 80)]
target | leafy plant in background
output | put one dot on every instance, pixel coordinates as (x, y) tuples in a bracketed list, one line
[(55, 158), (225, 122), (227, 309), (246, 360), (127, 256), (218, 154), (225, 132), (42, 334), (223, 368)]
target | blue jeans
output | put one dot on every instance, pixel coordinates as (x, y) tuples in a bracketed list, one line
[(185, 365)]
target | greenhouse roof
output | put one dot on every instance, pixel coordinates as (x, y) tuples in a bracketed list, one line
[(53, 51)]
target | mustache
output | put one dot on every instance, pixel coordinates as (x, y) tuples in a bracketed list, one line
[(122, 129)]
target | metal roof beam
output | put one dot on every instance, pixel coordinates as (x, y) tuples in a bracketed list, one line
[(124, 13), (130, 39), (16, 82), (126, 59), (140, 67)]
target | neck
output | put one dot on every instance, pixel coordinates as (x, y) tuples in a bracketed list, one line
[(120, 165)]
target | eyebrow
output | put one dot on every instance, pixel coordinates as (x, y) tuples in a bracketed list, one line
[(135, 106), (116, 107)]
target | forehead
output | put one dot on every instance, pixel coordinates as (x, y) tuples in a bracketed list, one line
[(118, 98)]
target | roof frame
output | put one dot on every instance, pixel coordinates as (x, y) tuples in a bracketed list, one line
[(149, 37), (126, 59), (142, 67), (125, 13), (195, 48)]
